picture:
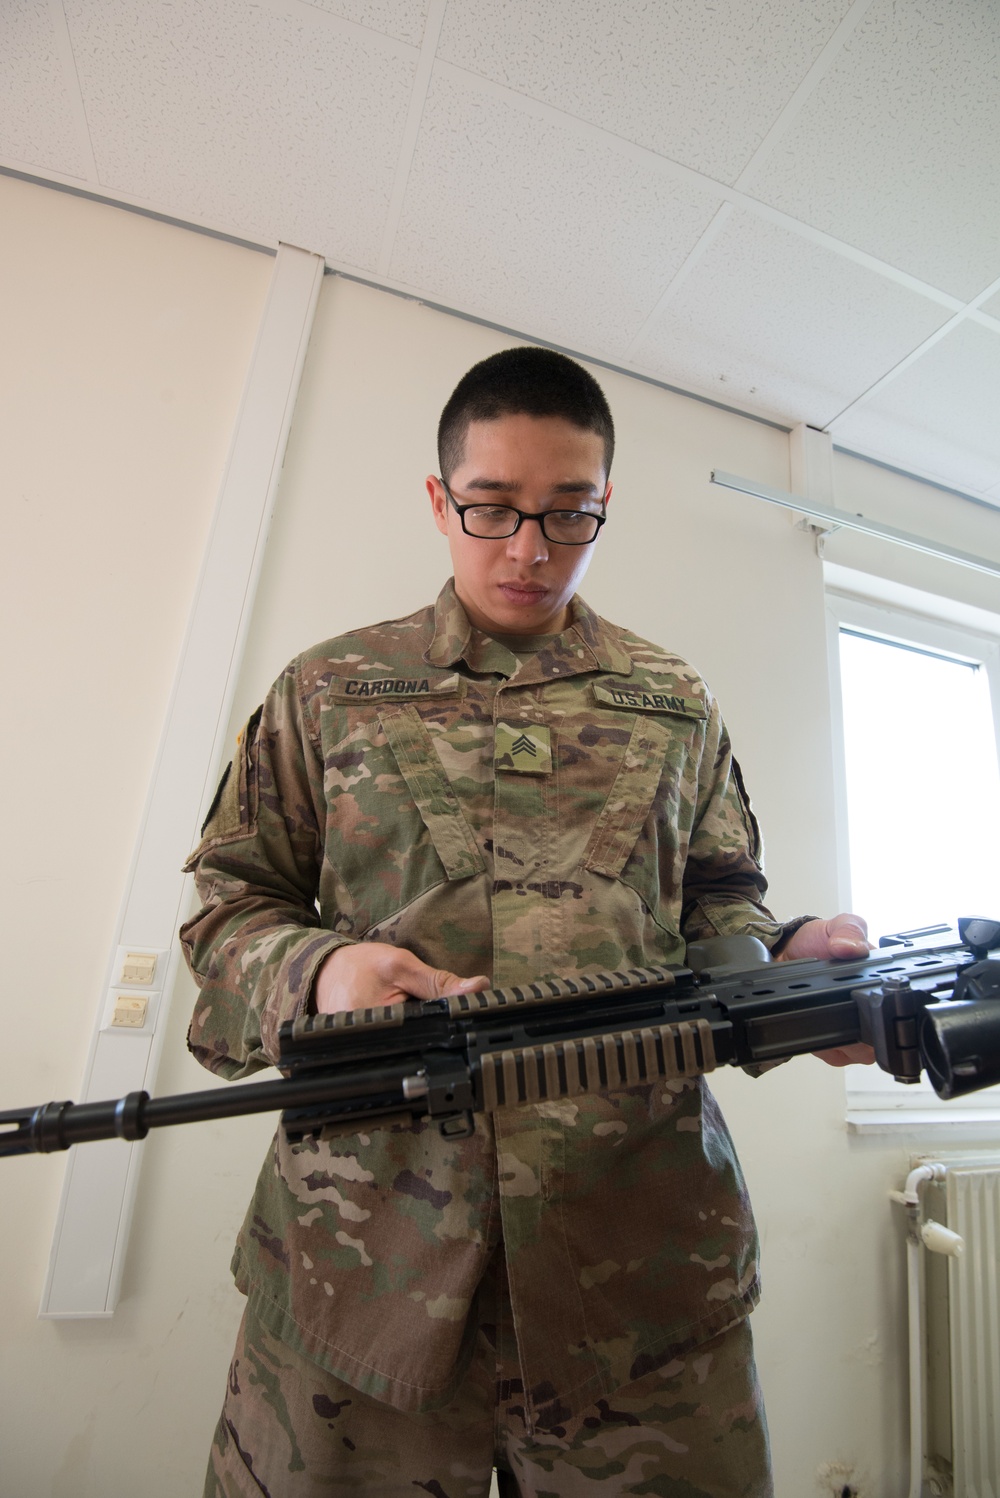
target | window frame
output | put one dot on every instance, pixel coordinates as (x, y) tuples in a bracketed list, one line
[(874, 1102)]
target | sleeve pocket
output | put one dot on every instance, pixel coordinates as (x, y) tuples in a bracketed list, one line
[(754, 840), (233, 812)]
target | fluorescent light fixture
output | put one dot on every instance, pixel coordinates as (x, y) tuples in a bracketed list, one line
[(834, 519)]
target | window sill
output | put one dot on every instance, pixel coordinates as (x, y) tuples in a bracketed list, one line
[(907, 1120)]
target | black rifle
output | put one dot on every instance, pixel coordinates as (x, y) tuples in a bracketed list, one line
[(922, 1007)]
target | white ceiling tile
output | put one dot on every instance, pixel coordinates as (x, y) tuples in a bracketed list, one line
[(281, 127), (898, 150), (521, 221), (784, 325), (38, 124), (699, 83), (403, 19), (940, 415)]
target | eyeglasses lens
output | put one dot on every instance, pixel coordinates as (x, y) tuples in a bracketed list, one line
[(569, 527)]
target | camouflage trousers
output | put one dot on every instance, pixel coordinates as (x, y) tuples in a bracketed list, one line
[(693, 1429)]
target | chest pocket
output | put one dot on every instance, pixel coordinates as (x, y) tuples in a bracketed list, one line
[(630, 801), (433, 796), (643, 832)]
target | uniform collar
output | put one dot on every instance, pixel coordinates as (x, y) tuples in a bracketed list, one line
[(590, 643)]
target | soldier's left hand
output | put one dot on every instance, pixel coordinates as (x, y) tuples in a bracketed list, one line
[(844, 936)]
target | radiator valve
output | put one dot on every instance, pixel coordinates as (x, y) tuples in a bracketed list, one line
[(941, 1240)]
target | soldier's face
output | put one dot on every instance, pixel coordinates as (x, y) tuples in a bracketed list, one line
[(523, 584)]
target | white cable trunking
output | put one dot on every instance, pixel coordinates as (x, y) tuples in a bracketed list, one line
[(91, 1232)]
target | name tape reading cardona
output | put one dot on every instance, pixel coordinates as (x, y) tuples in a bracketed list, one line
[(352, 687)]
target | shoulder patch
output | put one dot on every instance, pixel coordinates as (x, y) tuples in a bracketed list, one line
[(359, 689), (648, 697)]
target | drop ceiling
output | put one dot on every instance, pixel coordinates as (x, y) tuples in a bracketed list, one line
[(792, 208)]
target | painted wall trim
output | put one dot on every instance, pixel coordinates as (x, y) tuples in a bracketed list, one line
[(65, 184)]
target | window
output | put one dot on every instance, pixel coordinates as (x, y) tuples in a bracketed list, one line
[(917, 703)]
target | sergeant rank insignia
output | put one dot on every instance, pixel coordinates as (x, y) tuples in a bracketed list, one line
[(525, 748)]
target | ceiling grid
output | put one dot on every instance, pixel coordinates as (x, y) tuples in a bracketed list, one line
[(418, 97), (915, 354), (789, 209), (74, 94), (778, 130)]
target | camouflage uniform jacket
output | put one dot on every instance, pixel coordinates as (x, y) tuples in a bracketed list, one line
[(376, 797)]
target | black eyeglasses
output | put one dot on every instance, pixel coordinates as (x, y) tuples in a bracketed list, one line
[(498, 522)]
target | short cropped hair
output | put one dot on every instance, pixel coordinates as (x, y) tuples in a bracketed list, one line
[(523, 381)]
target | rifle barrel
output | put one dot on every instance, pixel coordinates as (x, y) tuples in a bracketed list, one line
[(57, 1126)]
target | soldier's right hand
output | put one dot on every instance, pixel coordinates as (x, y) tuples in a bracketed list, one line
[(371, 973)]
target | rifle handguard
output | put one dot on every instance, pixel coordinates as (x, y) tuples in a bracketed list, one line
[(570, 1068)]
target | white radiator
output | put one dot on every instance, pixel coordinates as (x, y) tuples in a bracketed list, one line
[(962, 1349)]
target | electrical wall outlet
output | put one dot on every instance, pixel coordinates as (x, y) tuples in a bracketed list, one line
[(136, 967), (130, 1011)]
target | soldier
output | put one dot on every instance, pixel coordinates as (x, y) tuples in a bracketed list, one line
[(500, 787)]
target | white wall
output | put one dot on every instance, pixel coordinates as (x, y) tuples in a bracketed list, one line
[(95, 1410), (125, 347)]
